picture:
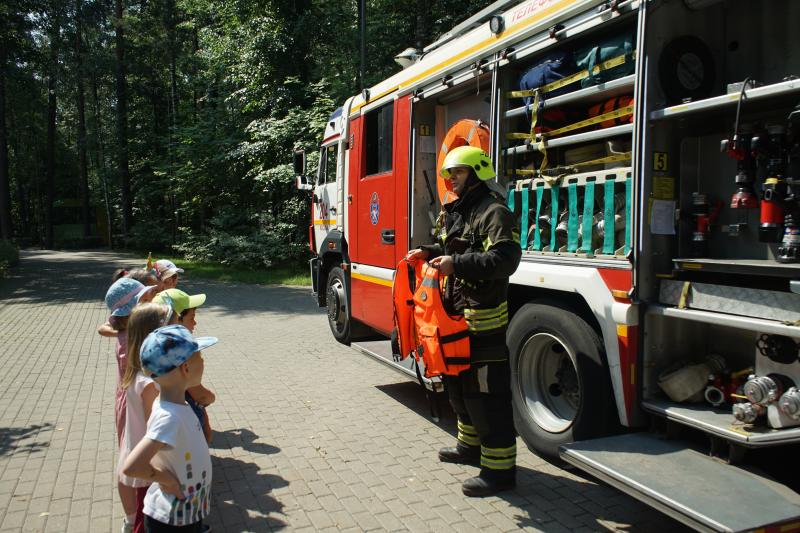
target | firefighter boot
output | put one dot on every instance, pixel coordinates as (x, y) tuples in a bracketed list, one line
[(461, 454), (489, 482)]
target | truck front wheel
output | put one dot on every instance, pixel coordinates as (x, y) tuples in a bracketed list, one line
[(560, 386), (338, 304)]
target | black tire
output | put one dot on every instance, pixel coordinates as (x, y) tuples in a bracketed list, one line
[(337, 297), (560, 385)]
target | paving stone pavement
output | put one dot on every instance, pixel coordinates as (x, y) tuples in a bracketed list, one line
[(309, 435)]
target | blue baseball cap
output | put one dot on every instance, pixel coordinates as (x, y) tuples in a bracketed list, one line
[(124, 294), (168, 347)]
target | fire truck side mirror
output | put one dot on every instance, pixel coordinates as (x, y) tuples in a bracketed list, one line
[(301, 180)]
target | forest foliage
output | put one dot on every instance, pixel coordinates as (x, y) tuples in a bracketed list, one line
[(169, 125)]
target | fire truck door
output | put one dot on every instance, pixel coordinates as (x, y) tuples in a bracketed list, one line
[(376, 201), (325, 194), (378, 232)]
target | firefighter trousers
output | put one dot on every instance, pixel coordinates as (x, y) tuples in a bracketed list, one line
[(481, 399)]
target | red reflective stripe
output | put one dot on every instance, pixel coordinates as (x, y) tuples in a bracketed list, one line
[(616, 280), (628, 356)]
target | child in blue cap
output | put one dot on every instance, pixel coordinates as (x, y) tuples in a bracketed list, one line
[(174, 454)]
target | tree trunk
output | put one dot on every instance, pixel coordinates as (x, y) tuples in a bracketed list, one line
[(6, 225), (100, 164), (23, 186), (81, 104), (195, 48), (169, 22), (362, 32), (50, 169), (171, 45), (122, 123), (422, 29)]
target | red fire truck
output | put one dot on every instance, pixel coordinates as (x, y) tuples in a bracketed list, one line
[(651, 152)]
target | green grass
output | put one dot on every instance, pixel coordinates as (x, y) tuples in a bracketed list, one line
[(274, 276)]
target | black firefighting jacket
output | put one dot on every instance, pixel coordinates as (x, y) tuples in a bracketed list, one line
[(479, 232)]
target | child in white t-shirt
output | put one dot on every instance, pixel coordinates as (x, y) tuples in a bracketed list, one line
[(173, 454)]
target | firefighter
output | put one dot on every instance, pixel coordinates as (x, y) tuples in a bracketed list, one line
[(478, 250)]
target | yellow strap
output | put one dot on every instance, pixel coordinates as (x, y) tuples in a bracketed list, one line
[(608, 159), (542, 147), (611, 63), (684, 295), (534, 115), (617, 113)]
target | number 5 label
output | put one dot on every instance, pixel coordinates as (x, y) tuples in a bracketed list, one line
[(660, 161)]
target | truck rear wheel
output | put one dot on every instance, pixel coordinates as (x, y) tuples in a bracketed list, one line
[(560, 386), (338, 304)]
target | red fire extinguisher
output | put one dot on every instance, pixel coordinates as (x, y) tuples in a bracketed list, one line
[(771, 149)]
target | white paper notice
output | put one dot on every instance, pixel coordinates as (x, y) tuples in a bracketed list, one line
[(427, 144), (662, 217)]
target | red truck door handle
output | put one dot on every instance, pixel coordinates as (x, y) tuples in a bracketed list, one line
[(387, 236)]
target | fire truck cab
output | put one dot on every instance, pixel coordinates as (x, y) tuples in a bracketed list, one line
[(651, 152)]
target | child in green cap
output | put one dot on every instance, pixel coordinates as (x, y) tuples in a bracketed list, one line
[(184, 311)]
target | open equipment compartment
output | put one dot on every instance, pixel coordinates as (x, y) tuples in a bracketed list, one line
[(433, 118), (715, 270), (566, 123)]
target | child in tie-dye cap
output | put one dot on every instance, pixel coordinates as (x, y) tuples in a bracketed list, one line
[(174, 454), (167, 273)]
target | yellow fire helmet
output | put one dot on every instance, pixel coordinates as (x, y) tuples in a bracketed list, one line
[(468, 156)]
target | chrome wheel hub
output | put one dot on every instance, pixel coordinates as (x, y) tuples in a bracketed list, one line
[(548, 382)]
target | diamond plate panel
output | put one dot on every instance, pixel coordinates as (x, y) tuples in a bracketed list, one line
[(770, 305)]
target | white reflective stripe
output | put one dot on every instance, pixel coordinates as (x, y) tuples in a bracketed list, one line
[(471, 134), (373, 271)]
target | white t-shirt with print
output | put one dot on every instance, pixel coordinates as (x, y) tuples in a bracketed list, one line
[(185, 455), (135, 425)]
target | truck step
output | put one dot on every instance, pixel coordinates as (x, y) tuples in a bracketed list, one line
[(695, 489), (382, 351)]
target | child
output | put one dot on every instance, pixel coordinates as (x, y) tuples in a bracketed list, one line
[(184, 309), (173, 455), (121, 297), (146, 294), (140, 392), (167, 274), (144, 276)]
